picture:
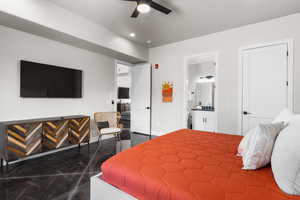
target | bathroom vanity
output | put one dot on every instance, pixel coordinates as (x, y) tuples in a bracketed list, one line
[(204, 120)]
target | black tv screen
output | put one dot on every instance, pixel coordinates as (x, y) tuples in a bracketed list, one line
[(123, 93), (47, 81)]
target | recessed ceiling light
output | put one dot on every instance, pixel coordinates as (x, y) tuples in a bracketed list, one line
[(132, 34), (149, 41), (143, 8)]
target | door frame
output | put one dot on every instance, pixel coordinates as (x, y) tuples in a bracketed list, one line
[(290, 73), (202, 56)]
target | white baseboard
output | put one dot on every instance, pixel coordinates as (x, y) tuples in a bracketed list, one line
[(162, 132)]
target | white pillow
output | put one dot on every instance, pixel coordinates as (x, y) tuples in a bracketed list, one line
[(286, 158), (244, 144), (284, 116), (261, 145)]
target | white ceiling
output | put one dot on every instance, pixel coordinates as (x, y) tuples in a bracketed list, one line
[(190, 18)]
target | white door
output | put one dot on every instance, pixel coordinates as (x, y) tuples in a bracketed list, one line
[(198, 120), (140, 98), (210, 122), (265, 86), (204, 121)]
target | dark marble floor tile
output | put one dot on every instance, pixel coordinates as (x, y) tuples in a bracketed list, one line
[(63, 175)]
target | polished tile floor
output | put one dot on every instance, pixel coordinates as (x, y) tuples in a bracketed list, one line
[(60, 176)]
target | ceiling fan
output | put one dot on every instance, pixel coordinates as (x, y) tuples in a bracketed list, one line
[(144, 6)]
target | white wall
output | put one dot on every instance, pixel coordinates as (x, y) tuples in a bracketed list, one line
[(168, 117), (49, 20), (98, 77)]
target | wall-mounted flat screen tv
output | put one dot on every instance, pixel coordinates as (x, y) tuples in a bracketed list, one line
[(123, 93), (48, 81)]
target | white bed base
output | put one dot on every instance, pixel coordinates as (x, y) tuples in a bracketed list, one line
[(100, 190)]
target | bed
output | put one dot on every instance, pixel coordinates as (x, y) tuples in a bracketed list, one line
[(184, 165)]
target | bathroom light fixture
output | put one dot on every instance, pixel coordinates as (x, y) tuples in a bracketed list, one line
[(132, 34), (206, 80)]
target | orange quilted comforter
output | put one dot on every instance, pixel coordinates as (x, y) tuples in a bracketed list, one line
[(189, 165)]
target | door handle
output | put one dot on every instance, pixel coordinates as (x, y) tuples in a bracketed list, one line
[(246, 113), (148, 108)]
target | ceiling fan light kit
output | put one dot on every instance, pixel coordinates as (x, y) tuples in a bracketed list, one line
[(144, 6)]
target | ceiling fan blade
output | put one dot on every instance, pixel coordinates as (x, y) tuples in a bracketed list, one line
[(160, 8), (135, 13)]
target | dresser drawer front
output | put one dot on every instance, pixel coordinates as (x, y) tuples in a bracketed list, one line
[(55, 134), (23, 140)]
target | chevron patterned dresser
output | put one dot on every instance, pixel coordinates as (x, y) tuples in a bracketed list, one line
[(20, 139)]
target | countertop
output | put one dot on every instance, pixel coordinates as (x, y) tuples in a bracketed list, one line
[(203, 110), (42, 119)]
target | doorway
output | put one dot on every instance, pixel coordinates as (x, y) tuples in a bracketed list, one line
[(267, 83), (134, 96), (123, 87), (200, 92)]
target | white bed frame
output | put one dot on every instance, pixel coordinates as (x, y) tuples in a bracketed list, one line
[(100, 190)]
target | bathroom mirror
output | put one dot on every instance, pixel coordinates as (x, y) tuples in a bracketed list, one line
[(202, 85), (204, 94)]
